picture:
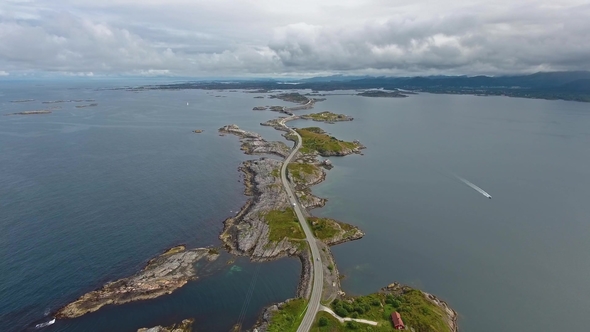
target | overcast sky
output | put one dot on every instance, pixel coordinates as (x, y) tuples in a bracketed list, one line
[(292, 38)]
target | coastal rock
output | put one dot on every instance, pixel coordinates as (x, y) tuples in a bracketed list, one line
[(247, 233), (162, 275), (451, 315), (253, 143), (327, 117), (31, 112), (260, 108), (341, 232), (185, 326), (197, 131)]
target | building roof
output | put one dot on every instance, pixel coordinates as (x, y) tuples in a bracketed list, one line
[(396, 319)]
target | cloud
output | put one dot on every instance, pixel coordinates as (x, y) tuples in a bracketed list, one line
[(181, 37), (3, 73)]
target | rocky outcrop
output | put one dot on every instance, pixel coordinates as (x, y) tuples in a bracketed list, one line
[(247, 232), (185, 326), (31, 112), (451, 314), (162, 275), (308, 200), (305, 174), (253, 143), (327, 117), (343, 232), (259, 108)]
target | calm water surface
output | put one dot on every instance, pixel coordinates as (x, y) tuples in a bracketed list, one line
[(517, 262), (90, 194)]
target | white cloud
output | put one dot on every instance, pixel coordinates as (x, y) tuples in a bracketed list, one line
[(264, 37), (3, 73)]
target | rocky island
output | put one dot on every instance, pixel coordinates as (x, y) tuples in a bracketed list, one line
[(162, 275), (326, 117), (31, 112), (293, 97), (87, 105), (382, 94)]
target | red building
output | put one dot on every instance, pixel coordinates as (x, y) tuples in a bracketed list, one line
[(397, 321)]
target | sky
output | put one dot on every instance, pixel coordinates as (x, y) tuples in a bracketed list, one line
[(270, 38)]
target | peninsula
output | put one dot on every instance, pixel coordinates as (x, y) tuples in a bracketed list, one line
[(162, 275)]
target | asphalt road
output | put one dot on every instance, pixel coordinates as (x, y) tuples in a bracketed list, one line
[(316, 269)]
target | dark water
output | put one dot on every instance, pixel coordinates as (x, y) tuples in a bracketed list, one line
[(517, 262), (89, 195)]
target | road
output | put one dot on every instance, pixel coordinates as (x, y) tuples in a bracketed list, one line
[(346, 319), (317, 270)]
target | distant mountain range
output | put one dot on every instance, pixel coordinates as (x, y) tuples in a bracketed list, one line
[(571, 85)]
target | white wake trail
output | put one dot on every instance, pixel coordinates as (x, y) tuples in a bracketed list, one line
[(474, 187)]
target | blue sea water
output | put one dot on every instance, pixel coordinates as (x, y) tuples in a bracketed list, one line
[(90, 194)]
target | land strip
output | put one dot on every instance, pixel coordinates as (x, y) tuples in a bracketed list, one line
[(162, 275)]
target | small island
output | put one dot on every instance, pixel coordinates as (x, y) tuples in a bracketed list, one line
[(87, 105), (326, 116), (293, 97), (31, 112), (382, 94), (22, 100), (198, 131)]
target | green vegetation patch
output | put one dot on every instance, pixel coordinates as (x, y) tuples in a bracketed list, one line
[(283, 224), (315, 139), (298, 170), (417, 312), (289, 317), (326, 116), (275, 172), (323, 228)]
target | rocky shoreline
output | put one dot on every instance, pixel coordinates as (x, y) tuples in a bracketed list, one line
[(162, 275), (451, 319), (184, 326)]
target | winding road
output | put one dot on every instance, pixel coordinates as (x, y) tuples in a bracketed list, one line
[(317, 270)]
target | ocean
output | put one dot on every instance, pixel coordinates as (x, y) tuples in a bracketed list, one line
[(90, 194)]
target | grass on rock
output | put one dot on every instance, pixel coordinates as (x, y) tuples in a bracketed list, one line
[(283, 224), (289, 317), (315, 139)]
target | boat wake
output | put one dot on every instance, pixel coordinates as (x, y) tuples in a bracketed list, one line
[(474, 187), (41, 325)]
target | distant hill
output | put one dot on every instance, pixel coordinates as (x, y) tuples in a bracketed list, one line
[(573, 85)]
